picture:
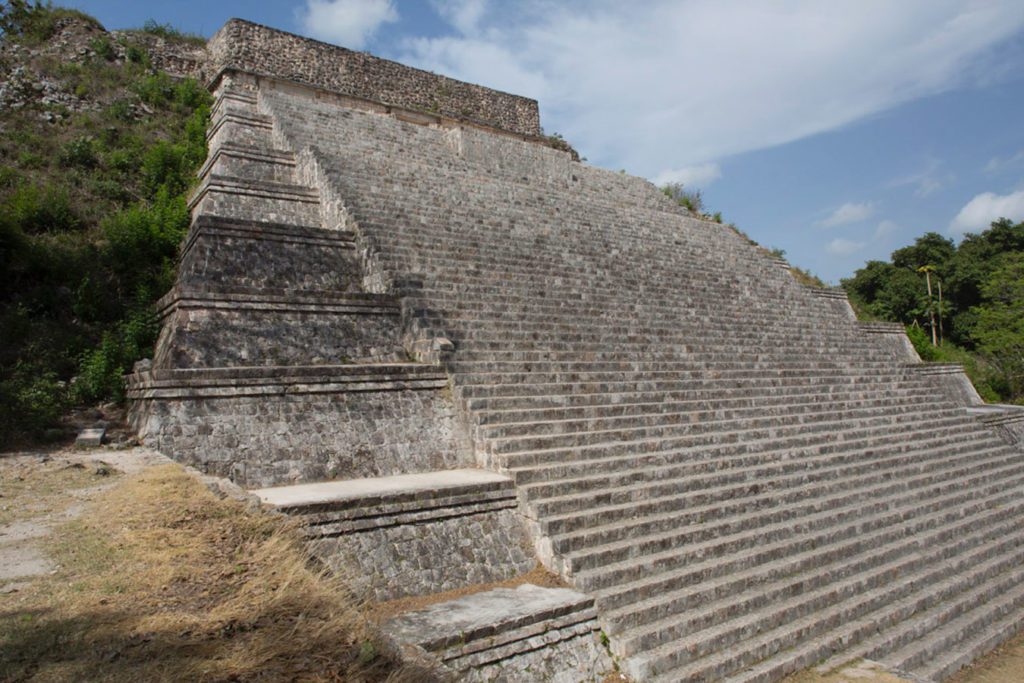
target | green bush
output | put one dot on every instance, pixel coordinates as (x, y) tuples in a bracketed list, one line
[(142, 243), (156, 90), (103, 48), (102, 369), (690, 199), (80, 152), (33, 23), (36, 210), (31, 401), (169, 32), (165, 167)]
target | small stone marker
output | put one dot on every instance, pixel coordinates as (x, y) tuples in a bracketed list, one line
[(90, 438)]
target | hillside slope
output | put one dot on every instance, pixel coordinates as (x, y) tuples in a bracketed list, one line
[(99, 145)]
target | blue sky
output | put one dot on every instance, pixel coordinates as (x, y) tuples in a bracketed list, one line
[(837, 131)]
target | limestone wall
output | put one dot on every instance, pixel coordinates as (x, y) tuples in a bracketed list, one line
[(258, 49), (260, 440)]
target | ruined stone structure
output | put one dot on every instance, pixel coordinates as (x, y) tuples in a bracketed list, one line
[(454, 350)]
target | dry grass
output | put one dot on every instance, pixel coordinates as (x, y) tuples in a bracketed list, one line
[(161, 581), (29, 488)]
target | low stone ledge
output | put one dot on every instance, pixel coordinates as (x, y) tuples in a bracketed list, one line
[(223, 226), (277, 301), (1006, 420), (260, 189), (234, 116), (341, 494), (531, 633), (246, 153), (951, 379), (330, 509), (225, 383)]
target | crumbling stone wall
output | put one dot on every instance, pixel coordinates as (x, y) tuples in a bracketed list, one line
[(258, 49)]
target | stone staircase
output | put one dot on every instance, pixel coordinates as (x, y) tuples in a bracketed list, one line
[(449, 349), (746, 480), (278, 368)]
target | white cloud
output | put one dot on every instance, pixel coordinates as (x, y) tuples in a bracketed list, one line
[(464, 15), (699, 176), (349, 23), (679, 83), (927, 181), (997, 164), (843, 247), (884, 229), (978, 213), (849, 212)]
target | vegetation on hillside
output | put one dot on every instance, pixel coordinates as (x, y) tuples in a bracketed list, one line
[(975, 312), (98, 152)]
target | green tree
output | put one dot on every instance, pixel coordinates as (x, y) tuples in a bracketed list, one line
[(999, 331)]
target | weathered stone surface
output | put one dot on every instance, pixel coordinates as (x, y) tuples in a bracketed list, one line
[(431, 557), (277, 334), (250, 254), (523, 634), (90, 438), (265, 441), (249, 47)]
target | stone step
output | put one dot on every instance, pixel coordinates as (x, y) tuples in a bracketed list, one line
[(556, 398), (559, 421), (676, 620), (764, 545), (735, 442), (503, 629), (333, 508), (483, 371), (863, 593), (245, 161), (238, 126), (773, 523), (230, 98), (930, 582), (230, 253), (252, 200), (516, 420), (675, 435), (601, 468), (671, 383), (571, 434), (936, 628), (282, 381), (722, 576), (674, 505), (557, 501), (800, 572), (795, 369), (251, 327), (994, 619), (275, 299)]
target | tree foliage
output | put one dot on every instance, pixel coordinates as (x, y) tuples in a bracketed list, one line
[(982, 305)]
